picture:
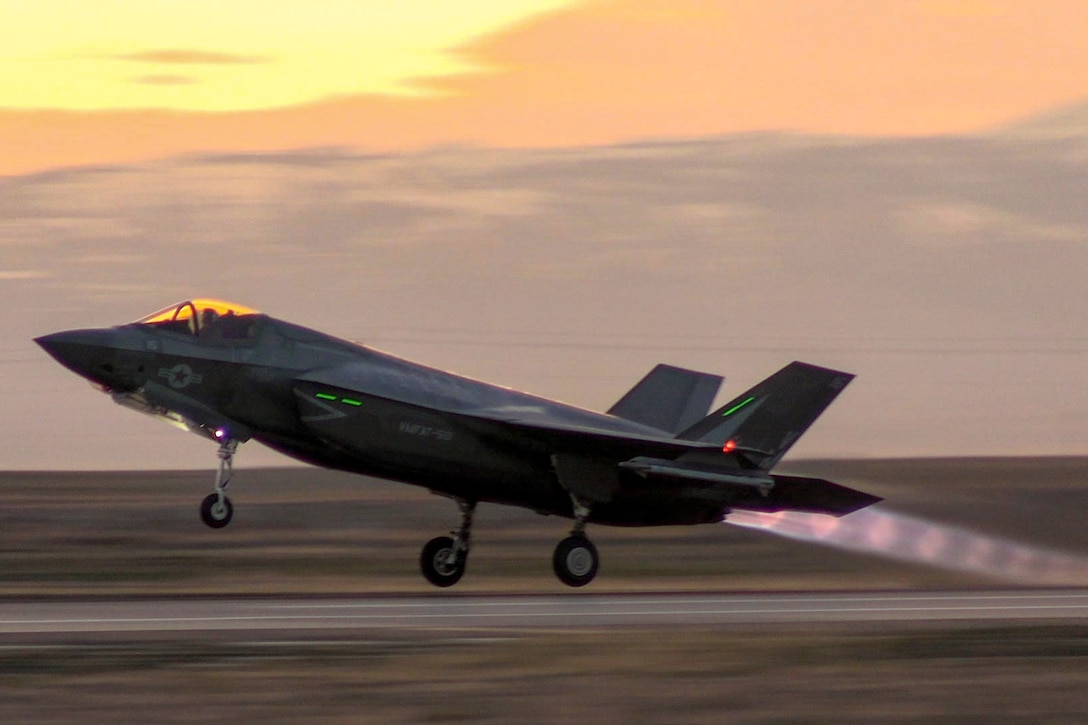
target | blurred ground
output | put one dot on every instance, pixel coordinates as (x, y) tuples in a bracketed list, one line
[(313, 531), (316, 531), (859, 673)]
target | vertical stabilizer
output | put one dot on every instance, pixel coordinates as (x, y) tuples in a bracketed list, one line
[(669, 398), (763, 423)]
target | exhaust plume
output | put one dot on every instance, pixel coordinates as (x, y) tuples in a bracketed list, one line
[(907, 538)]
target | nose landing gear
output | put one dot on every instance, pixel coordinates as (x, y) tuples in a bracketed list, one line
[(216, 509)]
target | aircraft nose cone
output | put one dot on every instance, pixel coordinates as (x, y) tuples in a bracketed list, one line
[(84, 352)]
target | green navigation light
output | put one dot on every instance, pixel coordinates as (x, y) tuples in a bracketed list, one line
[(351, 401), (326, 396), (738, 406)]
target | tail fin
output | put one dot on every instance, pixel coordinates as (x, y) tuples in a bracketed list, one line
[(761, 424), (668, 398)]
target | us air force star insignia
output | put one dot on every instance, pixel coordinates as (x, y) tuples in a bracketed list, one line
[(180, 376)]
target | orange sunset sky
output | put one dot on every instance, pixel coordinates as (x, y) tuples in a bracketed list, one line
[(117, 81)]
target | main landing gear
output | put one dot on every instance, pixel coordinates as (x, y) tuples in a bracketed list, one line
[(443, 559), (575, 559), (216, 509)]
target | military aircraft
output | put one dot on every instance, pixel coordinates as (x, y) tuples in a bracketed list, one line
[(656, 457)]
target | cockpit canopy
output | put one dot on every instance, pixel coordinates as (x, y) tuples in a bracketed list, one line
[(204, 317)]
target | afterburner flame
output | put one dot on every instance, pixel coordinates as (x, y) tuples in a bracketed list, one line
[(907, 538)]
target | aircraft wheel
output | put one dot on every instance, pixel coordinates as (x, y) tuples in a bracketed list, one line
[(575, 561), (434, 565), (216, 514)]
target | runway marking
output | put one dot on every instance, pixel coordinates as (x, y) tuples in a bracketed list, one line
[(472, 615), (570, 610), (527, 602)]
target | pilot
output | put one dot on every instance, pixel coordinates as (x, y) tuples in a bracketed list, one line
[(208, 317), (235, 327)]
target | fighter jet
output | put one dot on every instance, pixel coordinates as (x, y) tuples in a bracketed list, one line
[(657, 457)]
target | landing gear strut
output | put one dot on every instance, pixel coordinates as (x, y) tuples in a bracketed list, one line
[(216, 509), (443, 559), (575, 560)]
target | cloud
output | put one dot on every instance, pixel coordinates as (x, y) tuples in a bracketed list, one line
[(736, 254), (644, 69), (623, 70), (962, 8), (935, 222), (183, 56), (165, 79), (18, 274)]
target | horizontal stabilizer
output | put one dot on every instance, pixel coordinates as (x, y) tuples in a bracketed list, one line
[(736, 488), (669, 398), (813, 495), (761, 424)]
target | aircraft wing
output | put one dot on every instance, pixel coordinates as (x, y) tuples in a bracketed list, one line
[(573, 433), (590, 452), (482, 406), (701, 472)]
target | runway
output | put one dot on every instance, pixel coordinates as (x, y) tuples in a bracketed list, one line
[(498, 613)]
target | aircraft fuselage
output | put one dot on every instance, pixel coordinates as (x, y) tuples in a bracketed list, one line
[(657, 457), (416, 431)]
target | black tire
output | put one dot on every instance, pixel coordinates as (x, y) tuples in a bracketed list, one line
[(214, 515), (432, 562), (575, 561)]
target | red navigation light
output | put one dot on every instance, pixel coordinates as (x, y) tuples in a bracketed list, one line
[(729, 446)]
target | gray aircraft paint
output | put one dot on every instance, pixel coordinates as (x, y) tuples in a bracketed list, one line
[(342, 405)]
